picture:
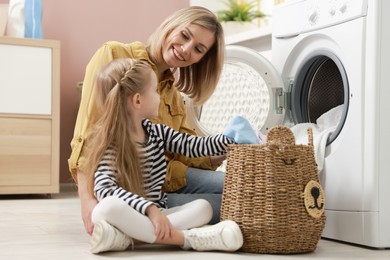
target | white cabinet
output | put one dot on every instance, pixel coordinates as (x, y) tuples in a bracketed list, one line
[(29, 115)]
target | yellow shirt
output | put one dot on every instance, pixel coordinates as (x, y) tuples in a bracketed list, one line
[(172, 112)]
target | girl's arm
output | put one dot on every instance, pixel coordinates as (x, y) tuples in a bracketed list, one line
[(191, 145)]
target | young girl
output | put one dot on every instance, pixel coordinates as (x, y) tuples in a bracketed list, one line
[(127, 169), (190, 42)]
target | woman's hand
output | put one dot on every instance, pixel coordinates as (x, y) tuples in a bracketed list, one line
[(162, 226)]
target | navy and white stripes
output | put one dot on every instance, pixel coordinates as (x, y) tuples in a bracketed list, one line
[(161, 139)]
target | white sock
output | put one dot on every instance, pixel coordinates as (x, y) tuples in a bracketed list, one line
[(187, 243)]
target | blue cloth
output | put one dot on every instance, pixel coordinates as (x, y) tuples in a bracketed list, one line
[(241, 131)]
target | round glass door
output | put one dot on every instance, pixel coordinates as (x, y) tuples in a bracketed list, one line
[(321, 91)]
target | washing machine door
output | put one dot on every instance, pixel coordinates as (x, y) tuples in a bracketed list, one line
[(249, 86)]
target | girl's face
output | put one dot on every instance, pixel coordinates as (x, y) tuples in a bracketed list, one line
[(150, 99), (186, 46)]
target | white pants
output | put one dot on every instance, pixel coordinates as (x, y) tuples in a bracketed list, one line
[(138, 226)]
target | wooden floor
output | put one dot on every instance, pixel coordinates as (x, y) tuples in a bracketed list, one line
[(36, 227)]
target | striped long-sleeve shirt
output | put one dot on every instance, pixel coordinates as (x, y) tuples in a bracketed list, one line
[(161, 138)]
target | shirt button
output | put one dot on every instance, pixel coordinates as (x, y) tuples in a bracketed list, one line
[(80, 139)]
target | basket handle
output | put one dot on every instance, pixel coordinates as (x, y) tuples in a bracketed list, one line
[(282, 135)]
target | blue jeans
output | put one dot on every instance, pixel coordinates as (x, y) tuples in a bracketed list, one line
[(201, 184)]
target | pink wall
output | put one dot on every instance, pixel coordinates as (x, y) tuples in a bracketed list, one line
[(82, 26)]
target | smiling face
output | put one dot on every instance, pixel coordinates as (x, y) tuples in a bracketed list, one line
[(186, 46)]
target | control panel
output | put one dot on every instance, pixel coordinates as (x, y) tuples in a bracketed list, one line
[(300, 16)]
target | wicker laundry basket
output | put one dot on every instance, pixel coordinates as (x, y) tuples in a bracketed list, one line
[(273, 192)]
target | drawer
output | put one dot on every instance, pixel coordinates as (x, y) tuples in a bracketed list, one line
[(25, 151)]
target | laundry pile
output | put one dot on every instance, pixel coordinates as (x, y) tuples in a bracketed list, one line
[(322, 129), (243, 132)]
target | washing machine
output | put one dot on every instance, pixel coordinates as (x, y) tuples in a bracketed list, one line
[(326, 54), (336, 51)]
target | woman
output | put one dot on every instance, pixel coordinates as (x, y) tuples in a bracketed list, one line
[(189, 45)]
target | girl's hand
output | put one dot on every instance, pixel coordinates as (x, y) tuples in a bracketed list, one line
[(163, 228), (87, 206), (217, 159), (88, 202)]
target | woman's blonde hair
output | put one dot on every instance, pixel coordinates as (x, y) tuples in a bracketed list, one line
[(116, 82), (198, 80)]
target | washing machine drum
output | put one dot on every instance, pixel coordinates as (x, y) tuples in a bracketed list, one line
[(250, 86)]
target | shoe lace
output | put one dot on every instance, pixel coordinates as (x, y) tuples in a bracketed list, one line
[(206, 238)]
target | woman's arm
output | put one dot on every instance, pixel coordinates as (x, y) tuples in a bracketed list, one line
[(87, 115)]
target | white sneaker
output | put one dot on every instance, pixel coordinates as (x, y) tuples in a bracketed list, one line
[(224, 236), (106, 237)]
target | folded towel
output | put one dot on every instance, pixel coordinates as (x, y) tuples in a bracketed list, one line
[(241, 131), (322, 129)]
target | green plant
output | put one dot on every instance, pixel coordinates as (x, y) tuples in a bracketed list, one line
[(239, 11)]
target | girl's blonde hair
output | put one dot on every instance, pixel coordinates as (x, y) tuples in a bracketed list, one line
[(116, 82), (199, 80)]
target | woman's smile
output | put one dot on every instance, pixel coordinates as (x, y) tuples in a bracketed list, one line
[(177, 54)]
